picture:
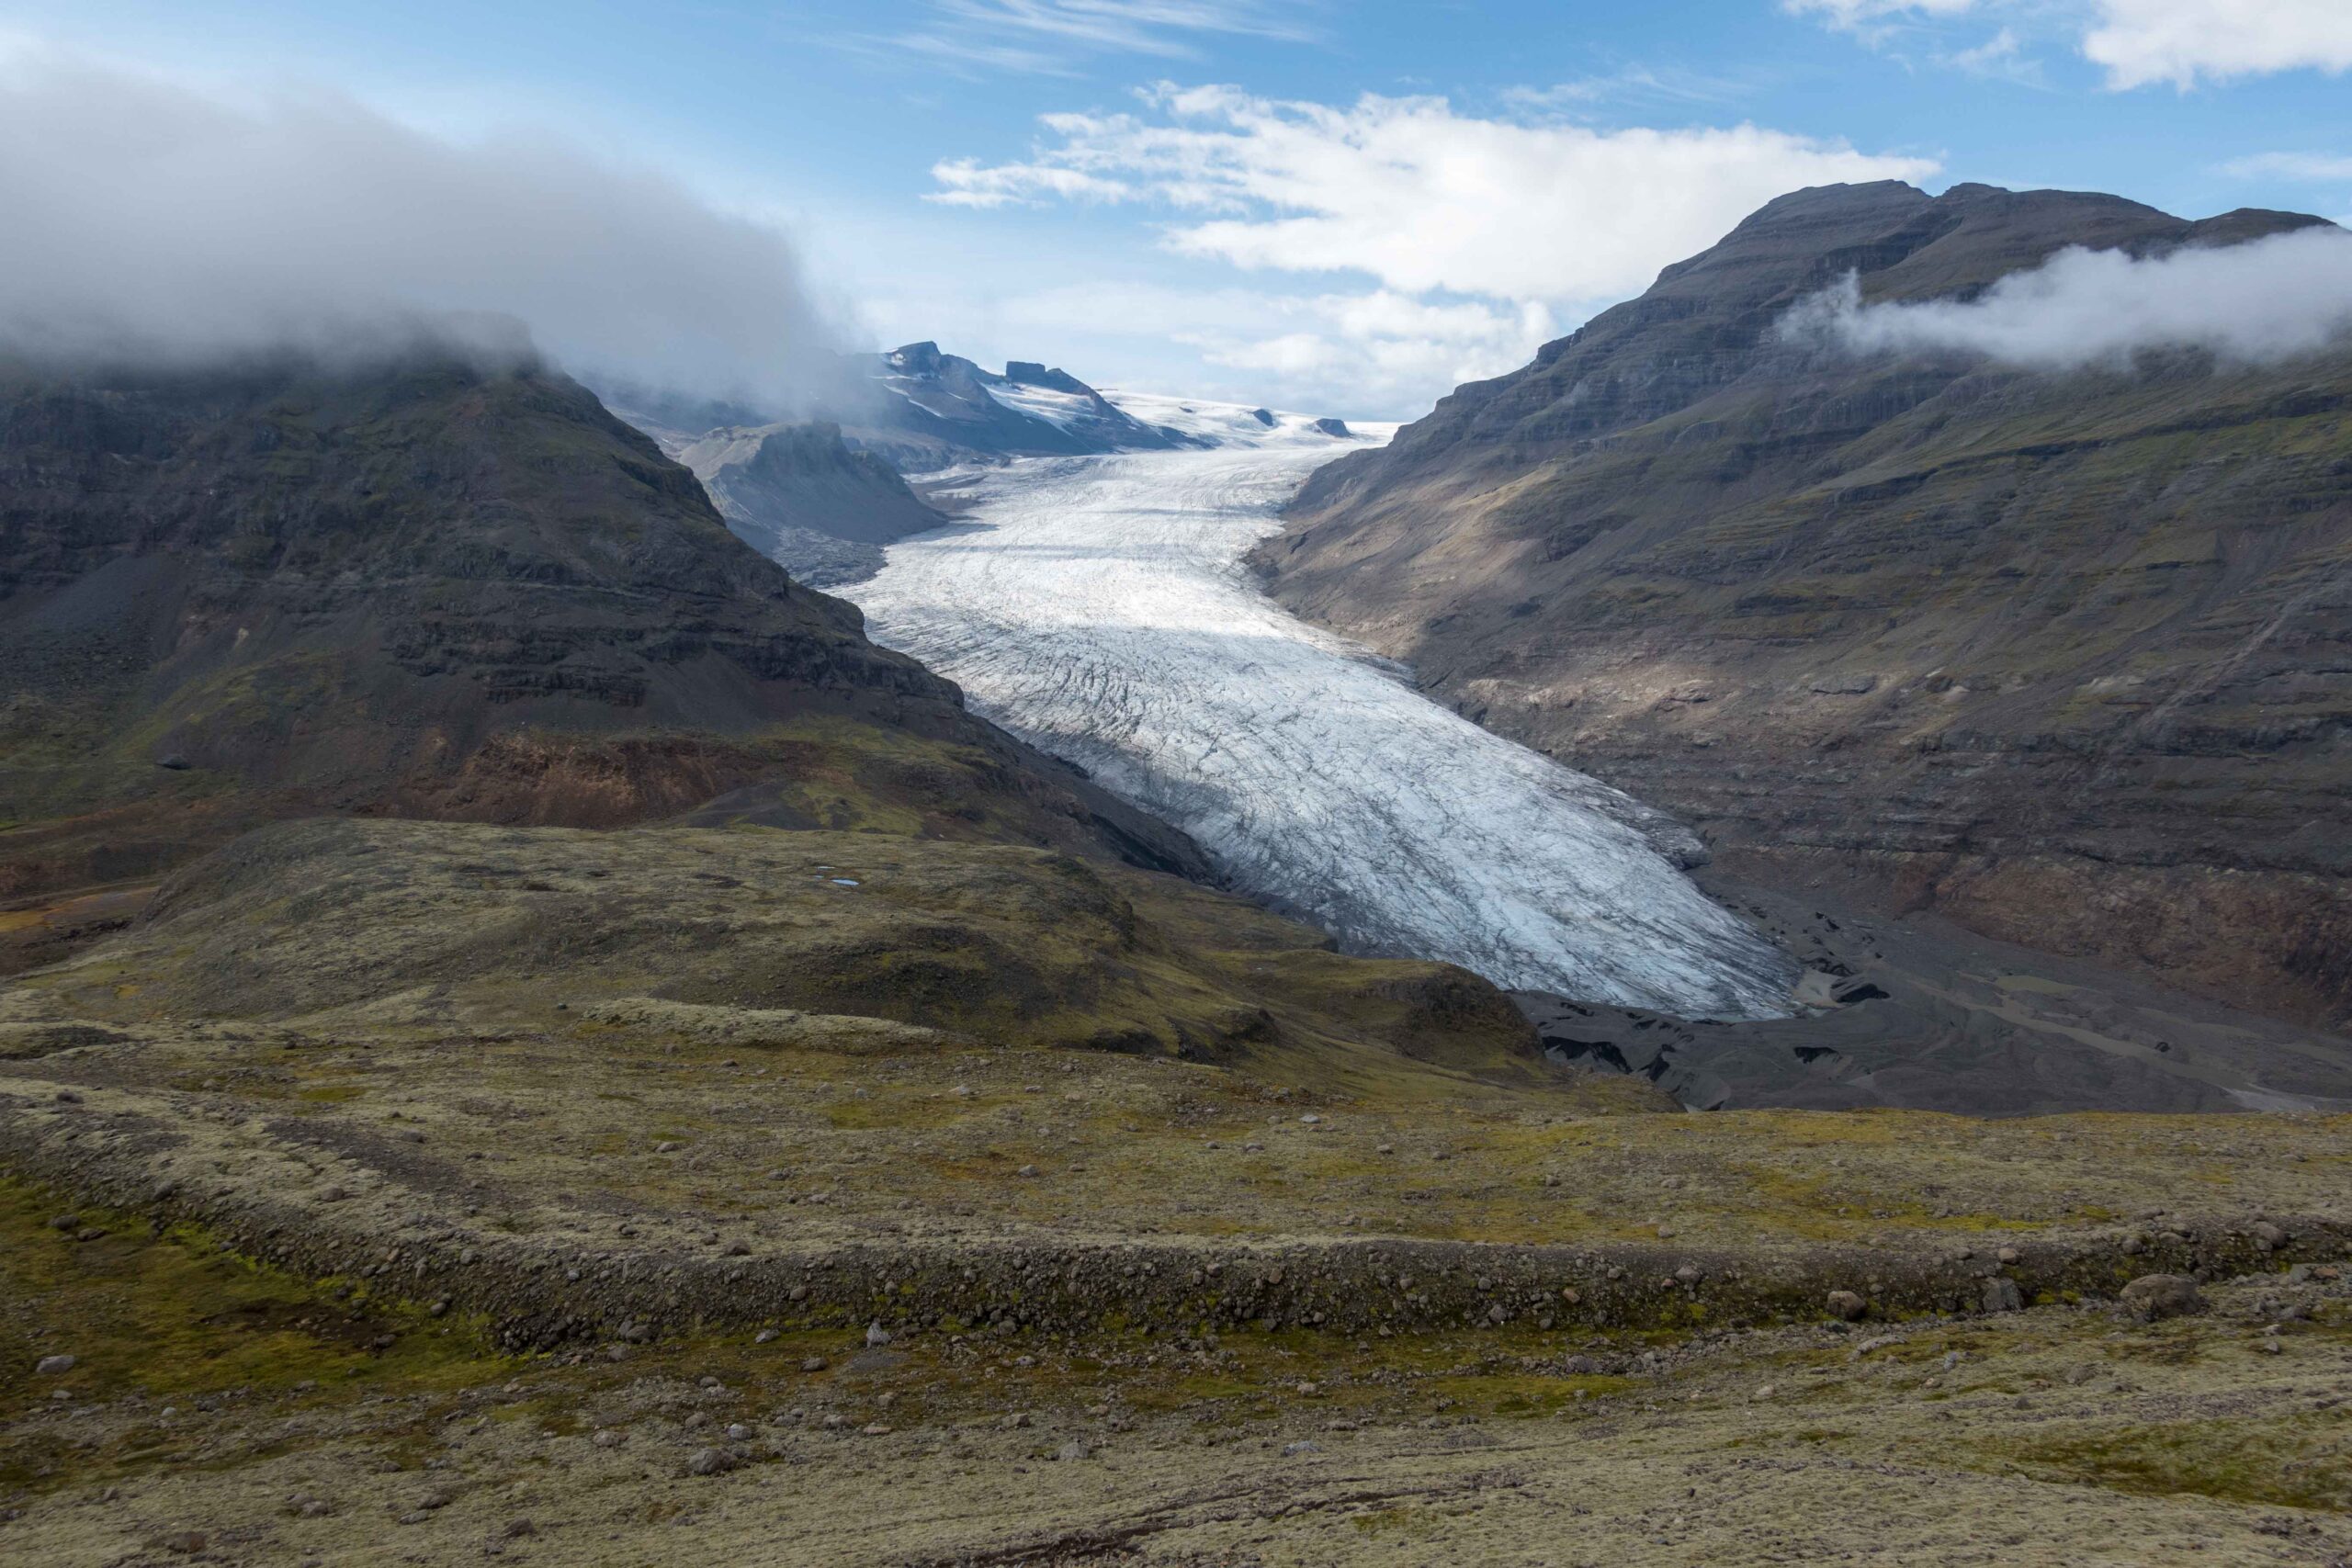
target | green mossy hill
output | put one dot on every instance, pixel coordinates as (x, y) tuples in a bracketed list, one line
[(353, 922), (2062, 655)]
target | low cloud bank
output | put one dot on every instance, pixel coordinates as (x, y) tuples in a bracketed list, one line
[(2270, 300), (153, 222)]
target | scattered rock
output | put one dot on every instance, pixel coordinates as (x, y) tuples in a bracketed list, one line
[(708, 1462), (877, 1336), (2267, 1236), (1074, 1450), (813, 1363), (2003, 1295), (1847, 1305), (2151, 1296), (53, 1366)]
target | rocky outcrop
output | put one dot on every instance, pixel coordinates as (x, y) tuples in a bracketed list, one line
[(798, 494), (429, 586), (924, 409), (2067, 657)]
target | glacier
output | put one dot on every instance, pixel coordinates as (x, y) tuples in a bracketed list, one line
[(1098, 608)]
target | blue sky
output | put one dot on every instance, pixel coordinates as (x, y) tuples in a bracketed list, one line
[(1341, 208)]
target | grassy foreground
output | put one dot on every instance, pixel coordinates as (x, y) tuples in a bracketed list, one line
[(413, 1193)]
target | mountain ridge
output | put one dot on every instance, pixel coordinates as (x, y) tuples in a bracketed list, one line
[(427, 588), (2062, 656)]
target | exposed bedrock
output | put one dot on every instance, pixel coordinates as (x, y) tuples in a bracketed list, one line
[(2066, 657)]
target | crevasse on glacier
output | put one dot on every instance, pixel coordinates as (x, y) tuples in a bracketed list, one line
[(1097, 606)]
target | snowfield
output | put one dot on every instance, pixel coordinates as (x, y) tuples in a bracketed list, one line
[(1097, 607)]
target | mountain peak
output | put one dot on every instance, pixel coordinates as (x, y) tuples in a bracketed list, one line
[(918, 358), (1702, 560)]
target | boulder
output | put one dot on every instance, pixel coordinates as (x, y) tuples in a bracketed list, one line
[(2151, 1296)]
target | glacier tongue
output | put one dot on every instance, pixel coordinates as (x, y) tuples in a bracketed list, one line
[(1098, 607)]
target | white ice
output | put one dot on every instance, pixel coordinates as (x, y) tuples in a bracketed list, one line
[(1098, 607), (1060, 409)]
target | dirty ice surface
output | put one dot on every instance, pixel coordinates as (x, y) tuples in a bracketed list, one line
[(1098, 607)]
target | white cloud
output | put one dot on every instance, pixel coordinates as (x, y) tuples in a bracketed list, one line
[(2001, 57), (1423, 198), (1479, 236), (1382, 350), (1049, 37), (1864, 16), (150, 219), (2181, 41), (968, 183), (1653, 87), (2290, 166), (2267, 301), (1373, 353), (2139, 43)]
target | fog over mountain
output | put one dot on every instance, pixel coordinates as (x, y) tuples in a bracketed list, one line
[(152, 220), (2257, 304)]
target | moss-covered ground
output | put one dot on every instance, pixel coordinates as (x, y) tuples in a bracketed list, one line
[(285, 1419)]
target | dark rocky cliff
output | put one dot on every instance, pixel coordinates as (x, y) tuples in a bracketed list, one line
[(432, 588), (2067, 657), (798, 494)]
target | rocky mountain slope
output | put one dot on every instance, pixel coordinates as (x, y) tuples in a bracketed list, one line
[(2067, 657), (798, 494), (919, 410), (923, 409), (431, 588), (822, 496)]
